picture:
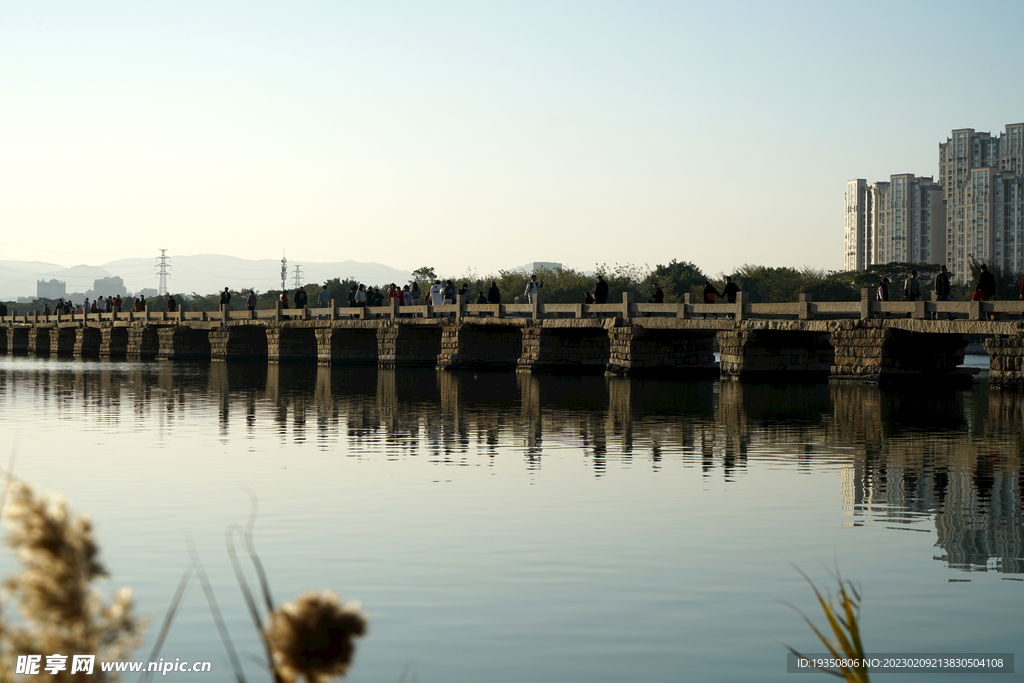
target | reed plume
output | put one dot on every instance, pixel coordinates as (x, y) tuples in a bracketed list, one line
[(62, 611), (312, 637)]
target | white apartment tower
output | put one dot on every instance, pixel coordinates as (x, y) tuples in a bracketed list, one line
[(973, 211), (981, 177), (902, 219), (858, 230)]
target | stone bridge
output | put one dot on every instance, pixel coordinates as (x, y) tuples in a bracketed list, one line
[(860, 341)]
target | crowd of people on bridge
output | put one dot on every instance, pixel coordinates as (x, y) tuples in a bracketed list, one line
[(446, 292), (985, 289)]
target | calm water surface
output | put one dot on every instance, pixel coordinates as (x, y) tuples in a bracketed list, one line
[(509, 527)]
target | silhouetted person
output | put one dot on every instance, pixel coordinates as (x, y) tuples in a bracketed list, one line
[(987, 286), (942, 288), (710, 295), (987, 282), (600, 290), (730, 290)]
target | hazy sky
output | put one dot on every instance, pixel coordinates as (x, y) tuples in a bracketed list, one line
[(480, 134)]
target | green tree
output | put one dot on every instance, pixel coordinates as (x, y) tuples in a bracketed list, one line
[(677, 279), (426, 274)]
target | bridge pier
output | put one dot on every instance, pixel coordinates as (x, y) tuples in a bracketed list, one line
[(753, 352), (17, 340), (637, 350), (491, 346), (565, 346), (1006, 361), (56, 332), (39, 341), (878, 352)]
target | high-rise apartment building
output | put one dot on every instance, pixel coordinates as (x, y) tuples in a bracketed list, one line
[(51, 289), (981, 177), (858, 226), (902, 219), (973, 211)]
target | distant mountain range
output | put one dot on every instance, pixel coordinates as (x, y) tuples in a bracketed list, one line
[(201, 273)]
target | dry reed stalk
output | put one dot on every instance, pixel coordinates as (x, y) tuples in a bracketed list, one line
[(310, 638), (842, 611), (62, 612)]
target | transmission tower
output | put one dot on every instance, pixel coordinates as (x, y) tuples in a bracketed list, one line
[(284, 272), (298, 276), (162, 267)]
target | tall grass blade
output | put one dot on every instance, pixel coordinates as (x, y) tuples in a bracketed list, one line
[(842, 612)]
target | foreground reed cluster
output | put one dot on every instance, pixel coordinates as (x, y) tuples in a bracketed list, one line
[(61, 609), (842, 612), (311, 638)]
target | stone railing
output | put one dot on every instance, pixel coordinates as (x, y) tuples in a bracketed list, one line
[(742, 309)]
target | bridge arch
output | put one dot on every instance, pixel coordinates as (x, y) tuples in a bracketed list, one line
[(66, 339), (352, 346), (247, 343), (572, 348), (293, 345)]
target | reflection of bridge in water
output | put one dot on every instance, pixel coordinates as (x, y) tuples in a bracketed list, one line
[(905, 456), (862, 341)]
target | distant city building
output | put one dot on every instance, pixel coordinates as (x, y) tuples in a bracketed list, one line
[(51, 289), (973, 211), (540, 265), (147, 292), (107, 286)]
